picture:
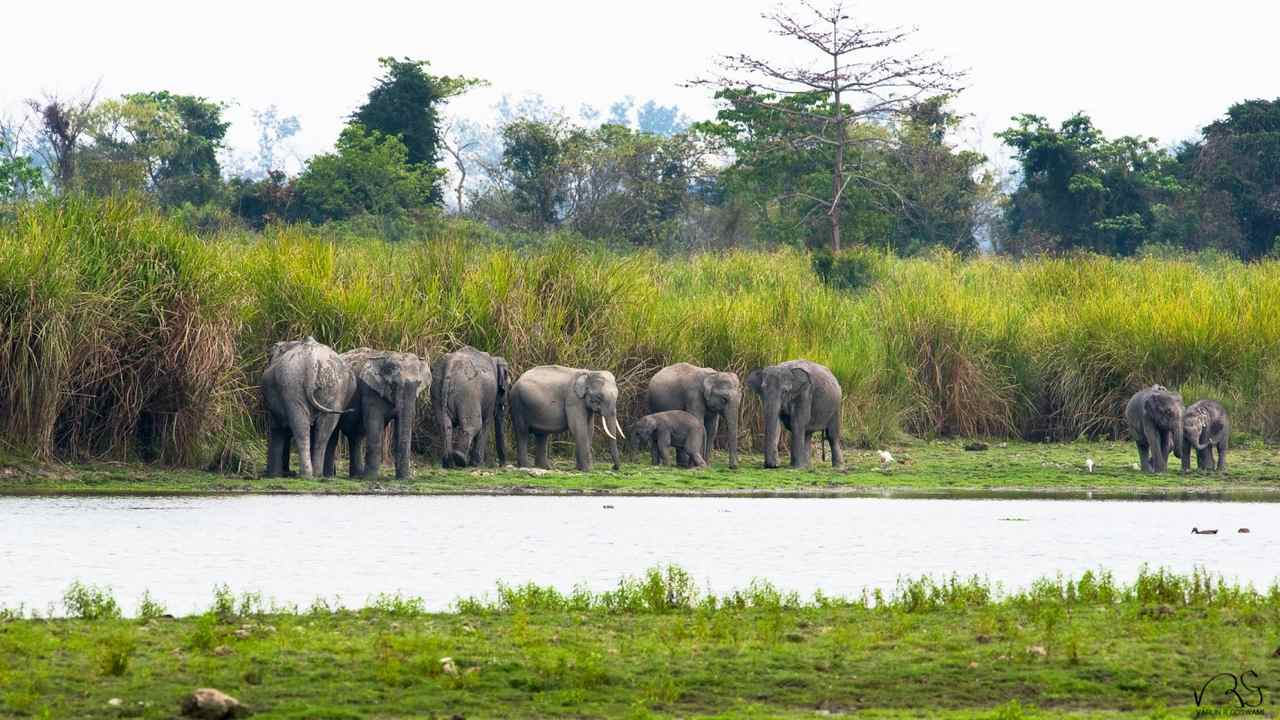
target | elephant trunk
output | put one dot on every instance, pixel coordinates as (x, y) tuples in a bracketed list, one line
[(772, 430), (1177, 429), (406, 408), (731, 427)]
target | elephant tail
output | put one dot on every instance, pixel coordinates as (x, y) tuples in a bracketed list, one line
[(310, 386)]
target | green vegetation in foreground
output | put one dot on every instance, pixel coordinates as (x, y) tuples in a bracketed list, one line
[(923, 467), (656, 647)]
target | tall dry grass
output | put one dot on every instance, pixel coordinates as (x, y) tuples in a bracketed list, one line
[(124, 336)]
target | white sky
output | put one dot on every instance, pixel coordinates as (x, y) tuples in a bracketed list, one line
[(1158, 68)]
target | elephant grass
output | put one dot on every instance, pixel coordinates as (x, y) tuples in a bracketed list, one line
[(655, 646), (940, 468), (127, 338)]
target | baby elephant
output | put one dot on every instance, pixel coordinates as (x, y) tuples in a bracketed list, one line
[(1205, 426), (673, 427)]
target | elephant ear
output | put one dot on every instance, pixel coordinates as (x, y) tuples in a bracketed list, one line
[(580, 385), (424, 373), (1160, 405), (708, 386), (382, 376), (755, 381), (799, 378)]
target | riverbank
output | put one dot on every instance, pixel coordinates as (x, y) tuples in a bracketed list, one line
[(940, 468), (656, 647)]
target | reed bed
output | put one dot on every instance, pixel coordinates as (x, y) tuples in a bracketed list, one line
[(124, 336)]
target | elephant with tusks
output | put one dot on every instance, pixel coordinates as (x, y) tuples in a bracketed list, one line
[(551, 399), (306, 388)]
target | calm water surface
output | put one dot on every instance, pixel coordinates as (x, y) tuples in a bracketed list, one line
[(298, 548)]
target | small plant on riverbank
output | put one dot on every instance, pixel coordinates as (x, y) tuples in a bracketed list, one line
[(90, 602), (114, 651)]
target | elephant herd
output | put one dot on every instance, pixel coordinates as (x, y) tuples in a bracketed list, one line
[(1160, 425), (314, 396)]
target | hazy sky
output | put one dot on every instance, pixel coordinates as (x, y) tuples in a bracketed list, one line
[(1155, 68)]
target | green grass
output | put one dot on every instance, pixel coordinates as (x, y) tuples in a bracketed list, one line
[(920, 468), (656, 647), (124, 337)]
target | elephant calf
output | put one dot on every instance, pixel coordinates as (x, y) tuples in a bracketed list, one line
[(705, 393), (1205, 426), (661, 430), (1155, 422)]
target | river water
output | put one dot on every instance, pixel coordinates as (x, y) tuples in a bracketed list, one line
[(294, 549)]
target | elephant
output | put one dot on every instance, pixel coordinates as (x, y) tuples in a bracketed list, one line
[(1205, 426), (389, 384), (804, 397), (661, 430), (468, 396), (306, 388), (705, 393), (1155, 415), (553, 399)]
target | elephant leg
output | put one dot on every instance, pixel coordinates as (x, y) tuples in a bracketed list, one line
[(446, 438), (469, 440), (695, 458), (655, 454), (355, 452), (522, 447), (540, 442), (580, 429), (1222, 455), (480, 446), (375, 425), (331, 455), (1143, 462), (277, 448), (799, 448), (662, 441), (833, 439), (300, 427), (1153, 448), (324, 429), (711, 425), (614, 454)]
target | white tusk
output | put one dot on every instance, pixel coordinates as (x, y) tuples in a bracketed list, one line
[(605, 425), (618, 426)]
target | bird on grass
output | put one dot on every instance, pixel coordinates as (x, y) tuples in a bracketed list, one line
[(1198, 531), (886, 458), (1088, 462)]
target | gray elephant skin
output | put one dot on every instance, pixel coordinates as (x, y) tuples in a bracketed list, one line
[(1205, 426), (551, 399), (705, 393), (663, 430), (388, 386), (468, 398), (306, 388), (804, 397), (1154, 415)]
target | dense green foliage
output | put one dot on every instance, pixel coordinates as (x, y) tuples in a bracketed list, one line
[(125, 334), (405, 103), (659, 646), (369, 174)]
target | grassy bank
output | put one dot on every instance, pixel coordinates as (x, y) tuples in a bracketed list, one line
[(919, 467), (124, 337), (656, 647)]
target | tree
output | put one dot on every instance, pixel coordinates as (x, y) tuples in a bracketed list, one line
[(1081, 190), (20, 177), (62, 123), (170, 141), (405, 103), (370, 173), (857, 64), (533, 155), (1236, 169)]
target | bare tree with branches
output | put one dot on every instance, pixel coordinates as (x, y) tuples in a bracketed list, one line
[(856, 64), (62, 122)]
